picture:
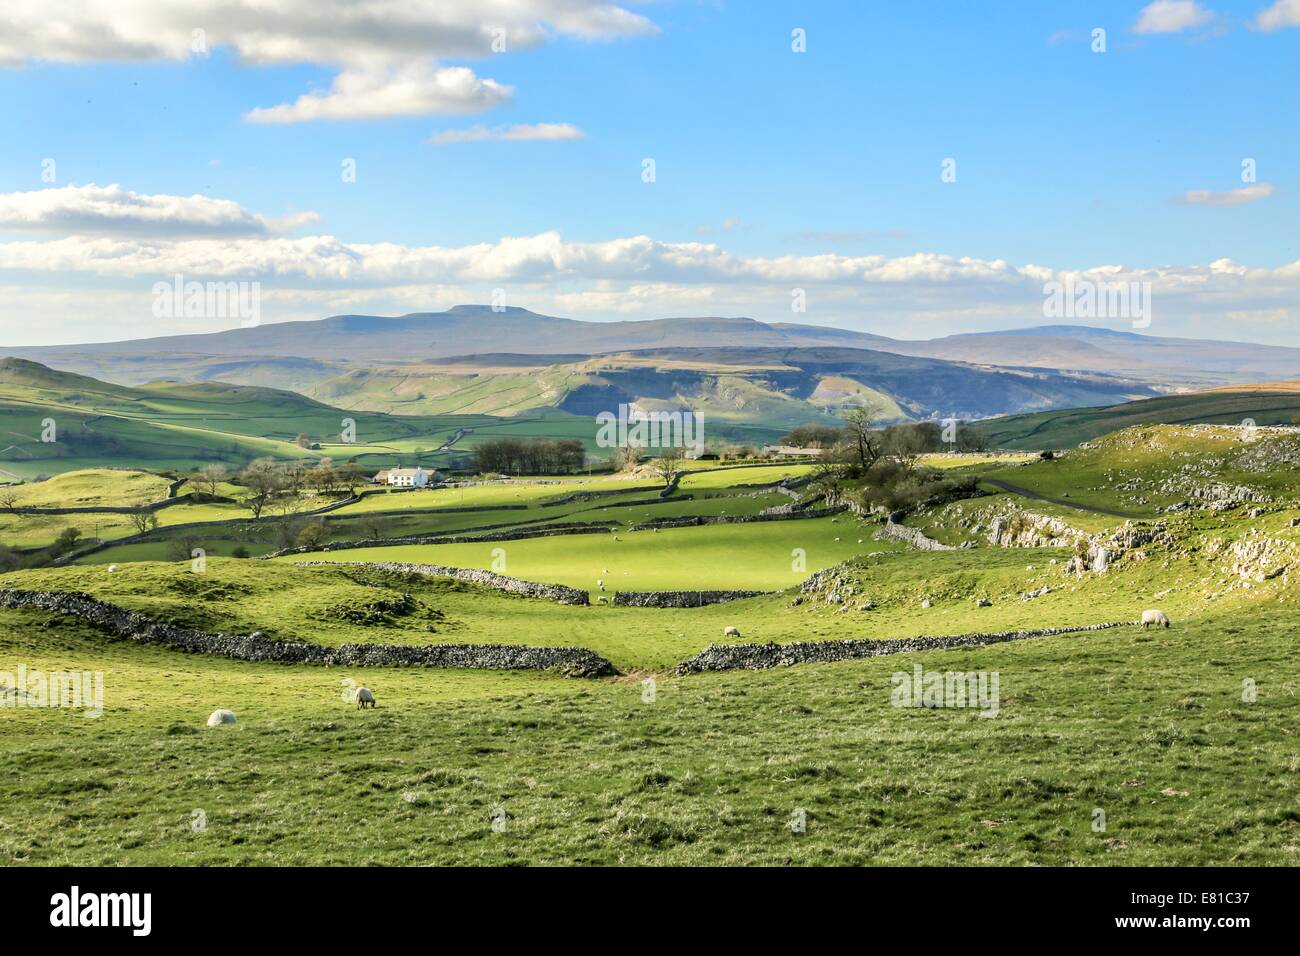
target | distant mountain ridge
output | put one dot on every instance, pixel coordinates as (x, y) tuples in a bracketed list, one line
[(298, 354)]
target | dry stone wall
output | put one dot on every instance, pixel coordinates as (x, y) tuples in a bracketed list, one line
[(131, 625), (723, 657)]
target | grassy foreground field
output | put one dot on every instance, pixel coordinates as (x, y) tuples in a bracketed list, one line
[(1149, 729), (1111, 747)]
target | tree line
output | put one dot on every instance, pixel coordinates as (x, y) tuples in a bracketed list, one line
[(280, 485), (530, 456)]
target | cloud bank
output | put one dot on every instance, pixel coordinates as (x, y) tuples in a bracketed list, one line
[(388, 55), (113, 244), (90, 210)]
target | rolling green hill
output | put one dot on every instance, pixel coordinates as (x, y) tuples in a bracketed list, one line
[(1274, 403), (52, 422)]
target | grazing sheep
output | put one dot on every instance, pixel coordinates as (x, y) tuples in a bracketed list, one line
[(112, 568), (364, 698), (219, 717), (731, 632), (1156, 617)]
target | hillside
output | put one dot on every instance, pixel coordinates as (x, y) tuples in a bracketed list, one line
[(1275, 403), (53, 421), (773, 388)]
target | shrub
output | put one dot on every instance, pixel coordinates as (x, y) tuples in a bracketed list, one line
[(894, 486)]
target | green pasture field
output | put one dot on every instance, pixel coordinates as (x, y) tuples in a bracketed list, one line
[(1150, 728), (727, 477), (431, 511), (759, 556)]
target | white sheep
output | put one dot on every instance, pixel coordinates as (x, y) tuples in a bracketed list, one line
[(731, 632), (112, 568), (219, 717), (1154, 616), (364, 698)]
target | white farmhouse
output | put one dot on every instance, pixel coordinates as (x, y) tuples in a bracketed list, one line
[(415, 477)]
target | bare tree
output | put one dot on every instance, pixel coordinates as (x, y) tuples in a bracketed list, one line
[(668, 466), (9, 502), (828, 473), (210, 477), (287, 503), (351, 476), (907, 443), (142, 519), (323, 477), (294, 477), (865, 444), (264, 480)]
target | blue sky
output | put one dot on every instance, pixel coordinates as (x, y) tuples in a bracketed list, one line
[(784, 165)]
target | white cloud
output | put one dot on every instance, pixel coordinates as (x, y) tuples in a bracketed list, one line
[(92, 210), (116, 244), (518, 132), (1282, 14), (416, 89), (1233, 197), (1171, 16), (387, 53)]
